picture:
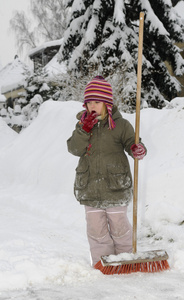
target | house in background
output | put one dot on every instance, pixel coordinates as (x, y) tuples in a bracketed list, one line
[(12, 88), (12, 81), (43, 54), (13, 75)]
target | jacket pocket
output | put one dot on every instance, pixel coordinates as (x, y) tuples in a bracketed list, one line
[(118, 178), (82, 175)]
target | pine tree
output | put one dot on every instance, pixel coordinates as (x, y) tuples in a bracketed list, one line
[(103, 36)]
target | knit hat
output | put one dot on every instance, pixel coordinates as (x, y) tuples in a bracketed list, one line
[(98, 89)]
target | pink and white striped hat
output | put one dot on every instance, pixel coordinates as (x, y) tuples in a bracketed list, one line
[(98, 89)]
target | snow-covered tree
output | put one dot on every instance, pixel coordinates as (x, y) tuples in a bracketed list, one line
[(39, 83), (103, 36), (30, 111), (20, 116)]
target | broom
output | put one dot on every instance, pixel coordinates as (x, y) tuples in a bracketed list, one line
[(150, 261)]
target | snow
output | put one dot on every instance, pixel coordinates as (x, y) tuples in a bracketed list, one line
[(54, 67), (78, 5), (122, 258), (45, 45), (2, 99), (44, 251), (7, 135), (179, 8), (13, 75), (119, 15), (155, 23)]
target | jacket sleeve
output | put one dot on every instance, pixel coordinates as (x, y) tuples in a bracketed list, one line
[(128, 137), (78, 142)]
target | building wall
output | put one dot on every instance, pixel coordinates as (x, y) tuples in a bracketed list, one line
[(179, 78), (15, 93)]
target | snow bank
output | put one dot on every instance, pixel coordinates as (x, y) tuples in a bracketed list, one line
[(42, 227), (7, 135), (40, 158)]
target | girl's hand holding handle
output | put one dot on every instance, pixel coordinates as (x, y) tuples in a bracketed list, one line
[(138, 151)]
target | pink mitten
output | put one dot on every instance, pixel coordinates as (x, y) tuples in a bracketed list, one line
[(138, 151)]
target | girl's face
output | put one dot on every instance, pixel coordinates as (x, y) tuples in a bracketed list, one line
[(95, 106)]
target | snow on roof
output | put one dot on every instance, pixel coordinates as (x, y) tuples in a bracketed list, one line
[(13, 75), (45, 46)]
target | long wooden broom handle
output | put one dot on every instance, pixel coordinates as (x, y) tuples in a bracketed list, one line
[(137, 123)]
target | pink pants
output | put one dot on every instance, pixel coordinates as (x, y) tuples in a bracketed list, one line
[(108, 231)]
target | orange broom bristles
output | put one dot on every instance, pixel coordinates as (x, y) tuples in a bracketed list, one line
[(150, 267)]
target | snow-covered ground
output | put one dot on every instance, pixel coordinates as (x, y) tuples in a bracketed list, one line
[(43, 246)]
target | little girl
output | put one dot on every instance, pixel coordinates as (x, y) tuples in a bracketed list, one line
[(103, 182)]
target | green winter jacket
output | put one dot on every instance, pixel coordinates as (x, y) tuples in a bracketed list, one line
[(103, 177)]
